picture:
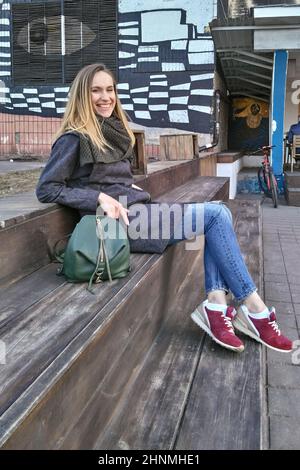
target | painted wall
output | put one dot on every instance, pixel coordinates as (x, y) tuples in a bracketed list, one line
[(292, 103), (166, 66), (47, 101), (166, 62), (249, 124)]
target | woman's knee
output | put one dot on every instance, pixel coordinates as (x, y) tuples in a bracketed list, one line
[(216, 209), (227, 210)]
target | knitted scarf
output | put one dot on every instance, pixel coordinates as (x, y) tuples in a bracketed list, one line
[(115, 135)]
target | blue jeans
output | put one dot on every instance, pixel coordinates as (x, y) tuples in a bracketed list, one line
[(224, 265)]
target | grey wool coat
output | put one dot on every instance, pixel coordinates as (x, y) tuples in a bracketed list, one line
[(65, 182)]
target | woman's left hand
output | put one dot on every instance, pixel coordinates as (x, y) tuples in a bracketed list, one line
[(113, 208)]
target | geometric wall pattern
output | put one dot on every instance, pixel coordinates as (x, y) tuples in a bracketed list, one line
[(165, 67), (165, 63), (169, 99)]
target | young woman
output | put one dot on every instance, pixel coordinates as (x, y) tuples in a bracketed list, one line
[(90, 166)]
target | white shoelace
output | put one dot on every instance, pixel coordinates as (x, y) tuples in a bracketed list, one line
[(228, 324), (275, 327)]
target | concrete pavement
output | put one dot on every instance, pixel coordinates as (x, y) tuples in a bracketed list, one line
[(16, 165), (281, 251)]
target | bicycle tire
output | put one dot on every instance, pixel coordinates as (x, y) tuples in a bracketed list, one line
[(262, 182), (273, 184)]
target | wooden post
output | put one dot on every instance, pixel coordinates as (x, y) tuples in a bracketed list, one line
[(139, 164), (178, 146)]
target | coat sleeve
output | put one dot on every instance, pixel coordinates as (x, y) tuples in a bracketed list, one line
[(53, 182), (290, 135)]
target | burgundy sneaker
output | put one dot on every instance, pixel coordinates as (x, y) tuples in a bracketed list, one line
[(264, 330), (218, 325)]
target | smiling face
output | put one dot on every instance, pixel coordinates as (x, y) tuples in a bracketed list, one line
[(103, 94)]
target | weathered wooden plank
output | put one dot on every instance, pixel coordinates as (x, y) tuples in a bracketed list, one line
[(40, 320), (139, 165), (19, 296), (208, 165), (149, 414), (165, 180), (159, 309), (196, 190), (178, 146), (224, 404), (27, 246), (224, 408), (105, 360), (73, 375), (229, 157), (38, 337)]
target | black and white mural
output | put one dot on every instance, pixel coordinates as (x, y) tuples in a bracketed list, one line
[(161, 50), (18, 99), (43, 44), (165, 62)]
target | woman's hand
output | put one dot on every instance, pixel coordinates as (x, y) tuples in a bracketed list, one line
[(113, 208)]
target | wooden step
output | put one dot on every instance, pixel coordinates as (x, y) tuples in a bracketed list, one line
[(72, 350), (191, 394), (226, 404), (229, 156), (71, 355), (292, 179), (29, 230), (292, 188), (293, 196)]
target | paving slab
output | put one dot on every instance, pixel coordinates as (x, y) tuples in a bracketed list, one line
[(285, 402), (277, 291), (12, 167), (281, 245), (282, 433), (288, 374), (15, 208)]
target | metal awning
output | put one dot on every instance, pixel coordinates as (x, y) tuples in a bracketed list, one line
[(245, 46), (245, 71)]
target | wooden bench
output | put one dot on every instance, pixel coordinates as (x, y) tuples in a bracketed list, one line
[(229, 156), (76, 363), (189, 393)]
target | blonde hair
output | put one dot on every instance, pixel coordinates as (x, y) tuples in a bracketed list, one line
[(80, 115)]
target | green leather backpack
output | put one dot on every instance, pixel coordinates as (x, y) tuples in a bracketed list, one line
[(97, 250)]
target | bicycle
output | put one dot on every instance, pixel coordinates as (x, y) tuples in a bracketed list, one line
[(266, 179)]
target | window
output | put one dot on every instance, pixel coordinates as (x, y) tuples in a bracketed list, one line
[(54, 39)]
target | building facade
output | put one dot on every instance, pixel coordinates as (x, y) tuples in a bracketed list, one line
[(161, 52), (169, 57)]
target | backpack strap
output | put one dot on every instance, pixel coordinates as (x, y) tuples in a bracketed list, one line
[(102, 256)]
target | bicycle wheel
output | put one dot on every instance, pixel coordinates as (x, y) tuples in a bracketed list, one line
[(263, 182), (274, 191)]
